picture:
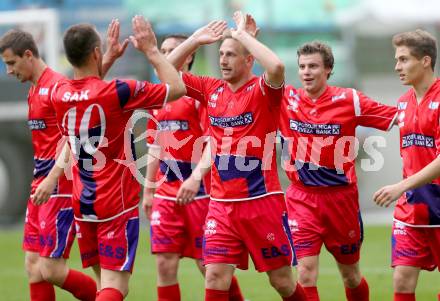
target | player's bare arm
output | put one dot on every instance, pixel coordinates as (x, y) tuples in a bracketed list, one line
[(47, 186), (189, 188), (150, 179), (273, 66), (389, 194), (208, 34), (144, 40), (114, 48)]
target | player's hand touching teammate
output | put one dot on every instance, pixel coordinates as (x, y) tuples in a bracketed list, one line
[(188, 190), (44, 190), (388, 194), (115, 48), (210, 33), (143, 38)]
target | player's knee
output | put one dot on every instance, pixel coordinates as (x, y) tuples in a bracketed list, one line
[(31, 264), (167, 266), (351, 280), (307, 274), (350, 274), (283, 284), (404, 282), (53, 270), (216, 279)]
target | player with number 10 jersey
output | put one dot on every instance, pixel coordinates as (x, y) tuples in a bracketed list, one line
[(94, 115)]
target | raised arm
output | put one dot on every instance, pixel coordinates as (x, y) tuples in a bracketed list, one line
[(114, 48), (389, 194), (208, 34), (273, 66), (144, 40)]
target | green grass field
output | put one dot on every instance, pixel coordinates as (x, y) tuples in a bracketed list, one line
[(375, 266)]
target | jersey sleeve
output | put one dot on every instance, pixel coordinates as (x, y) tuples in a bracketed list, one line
[(198, 87), (370, 113), (274, 95), (135, 94)]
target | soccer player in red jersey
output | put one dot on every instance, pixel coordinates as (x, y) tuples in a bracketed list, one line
[(416, 229), (49, 228), (247, 212), (94, 114), (318, 123), (176, 225)]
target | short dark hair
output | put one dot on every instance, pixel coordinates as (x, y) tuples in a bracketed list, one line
[(79, 42), (420, 43), (181, 37), (318, 47), (18, 41)]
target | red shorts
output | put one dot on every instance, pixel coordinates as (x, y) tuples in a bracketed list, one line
[(328, 216), (416, 247), (111, 244), (259, 227), (49, 229), (178, 229)]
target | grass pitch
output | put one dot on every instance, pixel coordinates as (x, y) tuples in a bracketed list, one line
[(374, 264)]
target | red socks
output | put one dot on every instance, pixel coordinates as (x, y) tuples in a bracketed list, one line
[(298, 295), (168, 293), (311, 293), (216, 295), (359, 293), (109, 294), (404, 297), (80, 285), (42, 291), (234, 291)]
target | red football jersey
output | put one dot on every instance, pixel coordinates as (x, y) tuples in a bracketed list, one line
[(419, 145), (177, 129), (242, 128), (46, 136), (319, 135), (95, 117)]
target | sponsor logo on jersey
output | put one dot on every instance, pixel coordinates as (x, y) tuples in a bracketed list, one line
[(78, 231), (274, 252), (433, 105), (233, 121), (36, 124), (417, 140), (250, 87), (212, 102), (349, 249), (399, 229), (270, 236), (293, 225), (402, 105), (155, 218), (140, 85), (293, 105), (211, 224), (316, 129), (338, 97), (173, 125), (43, 91), (401, 116)]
